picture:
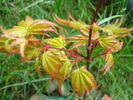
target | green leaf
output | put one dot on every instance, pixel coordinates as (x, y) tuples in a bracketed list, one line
[(108, 19), (81, 80)]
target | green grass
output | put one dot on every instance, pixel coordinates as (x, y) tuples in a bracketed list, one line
[(18, 81)]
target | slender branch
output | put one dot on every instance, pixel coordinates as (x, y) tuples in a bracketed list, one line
[(82, 55), (89, 49), (91, 29)]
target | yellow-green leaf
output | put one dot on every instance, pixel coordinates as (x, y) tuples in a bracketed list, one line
[(3, 39), (109, 62), (10, 49), (57, 42), (79, 40), (71, 22), (16, 32), (30, 52), (36, 66), (81, 80), (64, 70), (51, 64), (116, 31), (38, 26), (110, 43), (5, 45), (30, 26)]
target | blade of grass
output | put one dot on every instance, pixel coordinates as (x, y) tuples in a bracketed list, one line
[(30, 5), (108, 19), (23, 83)]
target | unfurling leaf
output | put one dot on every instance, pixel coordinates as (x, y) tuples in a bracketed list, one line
[(51, 64), (36, 66), (79, 40), (22, 42), (57, 42), (110, 43), (30, 52), (82, 80), (109, 63), (116, 31), (71, 22), (5, 43)]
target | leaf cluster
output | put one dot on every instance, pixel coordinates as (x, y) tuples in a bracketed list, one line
[(50, 54)]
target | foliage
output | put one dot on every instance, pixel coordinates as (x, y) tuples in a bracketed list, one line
[(51, 53)]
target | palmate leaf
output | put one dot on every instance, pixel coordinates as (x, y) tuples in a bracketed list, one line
[(51, 64), (66, 67), (57, 42), (82, 80), (30, 52), (38, 26), (30, 26), (63, 69), (110, 43), (109, 63)]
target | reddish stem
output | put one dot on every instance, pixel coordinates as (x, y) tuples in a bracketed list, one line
[(89, 49), (103, 53), (74, 53)]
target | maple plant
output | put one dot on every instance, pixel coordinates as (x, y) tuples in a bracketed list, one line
[(52, 55)]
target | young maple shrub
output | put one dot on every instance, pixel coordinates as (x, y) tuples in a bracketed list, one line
[(51, 53)]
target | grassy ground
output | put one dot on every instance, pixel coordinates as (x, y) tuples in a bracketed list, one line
[(18, 81)]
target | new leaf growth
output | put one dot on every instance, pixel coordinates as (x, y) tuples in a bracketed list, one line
[(51, 52)]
